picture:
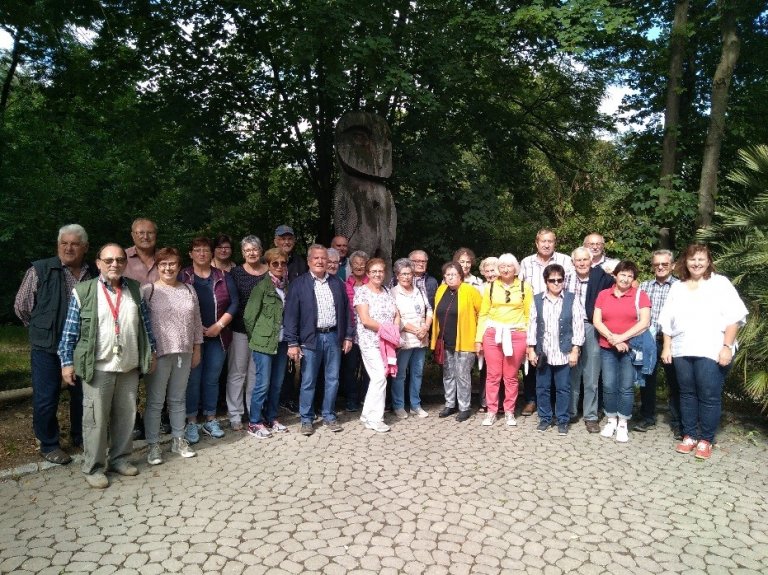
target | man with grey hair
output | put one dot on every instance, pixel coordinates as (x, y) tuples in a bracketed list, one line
[(587, 283), (41, 305), (658, 290), (421, 279), (334, 259), (317, 327), (595, 243)]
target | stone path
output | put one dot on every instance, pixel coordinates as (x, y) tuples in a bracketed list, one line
[(432, 496)]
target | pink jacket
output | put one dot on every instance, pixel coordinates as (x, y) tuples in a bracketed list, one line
[(389, 340)]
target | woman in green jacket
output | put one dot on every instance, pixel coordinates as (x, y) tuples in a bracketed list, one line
[(263, 318)]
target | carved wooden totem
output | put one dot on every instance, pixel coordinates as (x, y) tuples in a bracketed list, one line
[(364, 211)]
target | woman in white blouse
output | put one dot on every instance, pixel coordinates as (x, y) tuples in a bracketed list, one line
[(700, 319), (415, 321)]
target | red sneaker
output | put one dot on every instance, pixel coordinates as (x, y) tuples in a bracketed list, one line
[(703, 450), (687, 445)]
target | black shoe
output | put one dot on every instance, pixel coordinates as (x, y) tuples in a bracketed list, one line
[(291, 406), (307, 429), (643, 426), (574, 419), (447, 411), (464, 415), (543, 426), (562, 429)]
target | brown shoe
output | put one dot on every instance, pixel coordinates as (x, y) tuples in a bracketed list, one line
[(529, 408), (592, 426)]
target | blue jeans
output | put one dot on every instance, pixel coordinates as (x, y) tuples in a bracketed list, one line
[(270, 371), (203, 385), (328, 353), (408, 360), (588, 368), (618, 383), (701, 392), (545, 374), (46, 390)]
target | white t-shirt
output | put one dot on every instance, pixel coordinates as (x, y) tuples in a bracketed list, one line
[(696, 319)]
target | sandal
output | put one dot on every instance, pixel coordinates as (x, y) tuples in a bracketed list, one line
[(57, 456)]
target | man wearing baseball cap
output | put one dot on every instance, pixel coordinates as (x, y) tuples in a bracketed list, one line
[(285, 241)]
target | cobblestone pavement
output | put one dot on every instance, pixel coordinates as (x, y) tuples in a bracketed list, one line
[(432, 496)]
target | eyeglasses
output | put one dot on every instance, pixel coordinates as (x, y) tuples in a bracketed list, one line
[(405, 274), (223, 247), (660, 265), (168, 264), (419, 261), (109, 261), (278, 264), (144, 233), (375, 272), (251, 251), (201, 251), (333, 262), (555, 280)]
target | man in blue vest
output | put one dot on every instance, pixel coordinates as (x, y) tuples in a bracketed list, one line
[(41, 305), (107, 341), (555, 336)]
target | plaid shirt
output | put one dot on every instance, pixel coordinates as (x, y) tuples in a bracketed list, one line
[(658, 293), (26, 297), (326, 308), (71, 332), (532, 271)]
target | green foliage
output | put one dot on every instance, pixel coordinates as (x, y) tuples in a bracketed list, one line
[(738, 239)]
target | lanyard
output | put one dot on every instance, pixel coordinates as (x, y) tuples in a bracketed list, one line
[(114, 308)]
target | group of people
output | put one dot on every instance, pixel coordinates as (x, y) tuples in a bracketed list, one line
[(578, 328)]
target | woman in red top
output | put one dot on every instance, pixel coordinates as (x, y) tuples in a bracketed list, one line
[(621, 313)]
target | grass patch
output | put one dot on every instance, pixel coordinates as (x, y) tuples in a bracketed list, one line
[(14, 358)]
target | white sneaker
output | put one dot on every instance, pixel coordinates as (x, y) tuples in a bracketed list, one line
[(510, 419), (155, 454), (419, 412), (490, 419), (181, 446), (378, 426), (622, 433), (609, 428)]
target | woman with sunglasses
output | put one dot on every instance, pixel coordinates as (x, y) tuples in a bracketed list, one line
[(555, 336), (217, 297), (501, 335), (240, 368), (621, 313), (263, 320)]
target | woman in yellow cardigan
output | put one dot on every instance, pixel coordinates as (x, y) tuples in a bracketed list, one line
[(456, 308)]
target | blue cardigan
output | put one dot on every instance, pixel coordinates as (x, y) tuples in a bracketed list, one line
[(300, 314)]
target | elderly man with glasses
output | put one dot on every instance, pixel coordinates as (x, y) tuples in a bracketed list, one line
[(107, 340), (658, 290), (141, 255)]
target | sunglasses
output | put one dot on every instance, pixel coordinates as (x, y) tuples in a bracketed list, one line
[(110, 261), (555, 281), (278, 264), (509, 295)]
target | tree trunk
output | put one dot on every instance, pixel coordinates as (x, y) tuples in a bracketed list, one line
[(677, 49), (15, 59), (720, 85)]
